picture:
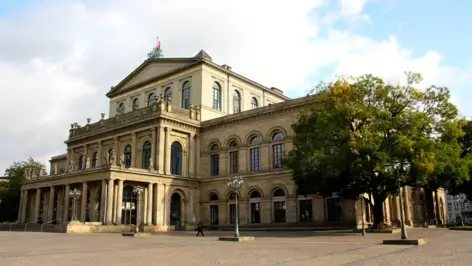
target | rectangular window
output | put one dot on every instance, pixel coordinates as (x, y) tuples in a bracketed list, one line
[(215, 164), (277, 152), (233, 162), (255, 159)]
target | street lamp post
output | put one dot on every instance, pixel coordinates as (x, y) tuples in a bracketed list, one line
[(74, 195), (236, 183), (361, 197), (137, 190), (395, 168)]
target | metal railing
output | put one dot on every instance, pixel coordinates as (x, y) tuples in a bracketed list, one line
[(26, 224), (49, 222)]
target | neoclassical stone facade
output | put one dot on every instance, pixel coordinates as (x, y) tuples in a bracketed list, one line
[(179, 128)]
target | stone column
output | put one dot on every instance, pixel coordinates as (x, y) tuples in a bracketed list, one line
[(103, 200), (387, 211), (167, 152), (438, 212), (158, 205), (20, 206), (109, 211), (161, 151), (24, 206), (153, 146), (36, 204), (166, 207), (52, 194), (197, 156), (149, 203), (145, 205), (406, 206), (65, 208), (100, 154), (119, 201), (191, 156), (133, 149), (83, 206)]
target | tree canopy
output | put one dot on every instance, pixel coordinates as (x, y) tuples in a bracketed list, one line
[(10, 196), (361, 133), (464, 186)]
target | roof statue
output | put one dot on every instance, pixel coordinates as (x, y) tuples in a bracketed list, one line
[(156, 51)]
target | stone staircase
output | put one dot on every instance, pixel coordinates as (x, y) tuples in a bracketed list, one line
[(32, 227)]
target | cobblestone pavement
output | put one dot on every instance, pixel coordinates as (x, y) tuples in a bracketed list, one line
[(444, 247)]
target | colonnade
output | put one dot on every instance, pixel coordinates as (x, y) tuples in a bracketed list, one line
[(102, 201)]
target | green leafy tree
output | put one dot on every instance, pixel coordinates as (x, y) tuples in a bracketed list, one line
[(348, 141), (464, 187), (10, 195)]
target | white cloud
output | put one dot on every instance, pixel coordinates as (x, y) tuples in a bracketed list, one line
[(59, 60)]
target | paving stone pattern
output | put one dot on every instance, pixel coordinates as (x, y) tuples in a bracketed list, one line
[(444, 247)]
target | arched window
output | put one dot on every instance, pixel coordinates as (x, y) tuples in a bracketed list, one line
[(81, 163), (135, 104), (233, 158), (146, 154), (214, 197), (255, 194), (277, 149), (214, 161), (236, 102), (216, 96), (255, 154), (127, 155), (254, 103), (151, 99), (176, 158), (278, 193), (168, 95), (186, 95), (121, 108), (95, 160)]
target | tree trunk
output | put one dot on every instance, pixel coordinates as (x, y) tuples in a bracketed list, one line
[(378, 213)]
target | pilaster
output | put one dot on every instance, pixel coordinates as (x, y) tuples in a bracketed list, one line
[(161, 150), (134, 149), (83, 205), (167, 151), (100, 154)]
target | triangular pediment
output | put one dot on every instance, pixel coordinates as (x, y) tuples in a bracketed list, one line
[(149, 70)]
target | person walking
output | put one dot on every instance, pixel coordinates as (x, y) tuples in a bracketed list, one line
[(200, 228)]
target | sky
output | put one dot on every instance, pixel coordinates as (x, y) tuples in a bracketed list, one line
[(58, 59)]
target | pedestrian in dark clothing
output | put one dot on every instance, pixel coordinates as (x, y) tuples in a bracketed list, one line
[(200, 229)]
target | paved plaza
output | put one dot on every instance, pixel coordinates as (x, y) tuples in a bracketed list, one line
[(444, 247)]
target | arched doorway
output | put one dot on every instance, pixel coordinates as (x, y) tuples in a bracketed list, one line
[(214, 213), (278, 198), (129, 206), (175, 209), (255, 200)]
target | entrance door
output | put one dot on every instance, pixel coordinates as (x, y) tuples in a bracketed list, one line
[(255, 213), (128, 206), (279, 212), (214, 214), (175, 209)]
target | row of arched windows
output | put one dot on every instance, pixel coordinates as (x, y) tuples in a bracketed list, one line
[(151, 99), (254, 155), (236, 99), (175, 160), (253, 194)]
